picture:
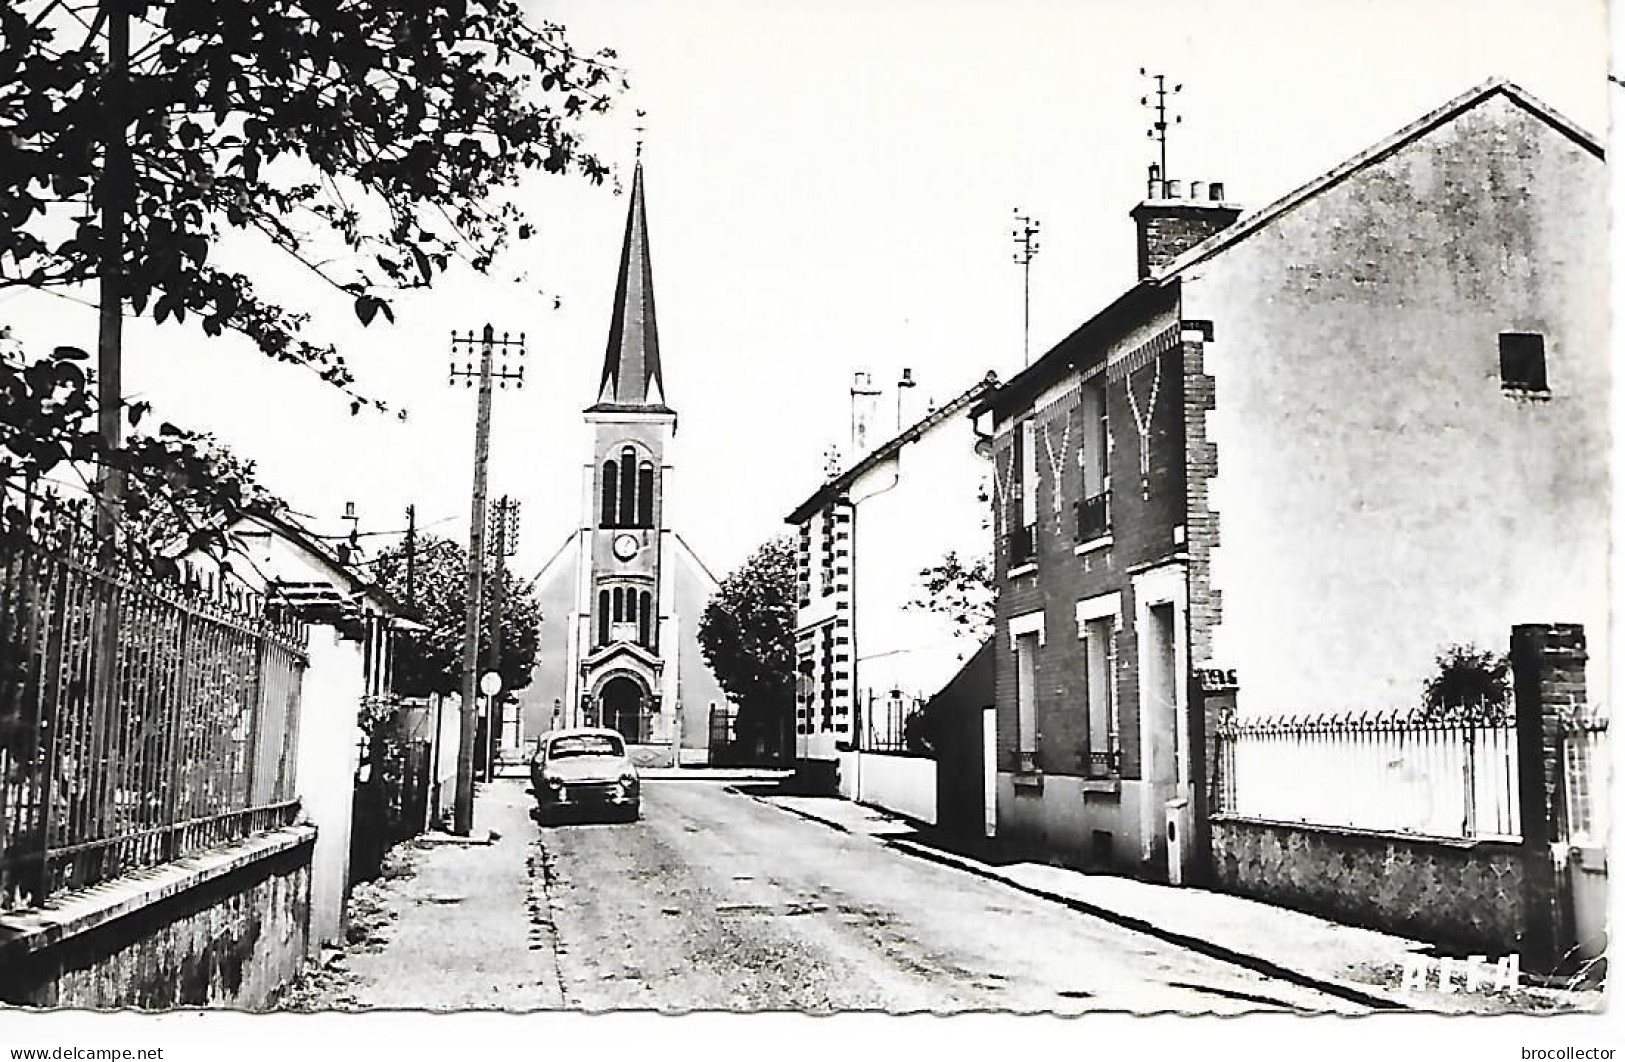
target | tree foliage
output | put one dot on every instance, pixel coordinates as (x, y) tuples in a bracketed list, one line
[(747, 634), (388, 129), (373, 143), (960, 590), (1468, 683), (432, 661), (182, 488)]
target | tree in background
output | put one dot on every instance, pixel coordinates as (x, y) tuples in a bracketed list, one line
[(1468, 684), (431, 661), (960, 590), (747, 634)]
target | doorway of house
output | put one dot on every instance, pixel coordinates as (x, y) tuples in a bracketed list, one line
[(990, 771), (621, 708), (1163, 695)]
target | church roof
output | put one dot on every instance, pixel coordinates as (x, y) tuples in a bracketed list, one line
[(631, 379)]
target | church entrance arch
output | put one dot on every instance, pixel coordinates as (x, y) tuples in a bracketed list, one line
[(622, 705)]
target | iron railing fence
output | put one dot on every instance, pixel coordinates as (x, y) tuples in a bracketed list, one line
[(1094, 516), (1450, 774), (1022, 545), (885, 723), (178, 739)]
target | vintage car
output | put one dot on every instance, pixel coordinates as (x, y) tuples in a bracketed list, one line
[(583, 771)]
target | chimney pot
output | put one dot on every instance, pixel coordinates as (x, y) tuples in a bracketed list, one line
[(1170, 226)]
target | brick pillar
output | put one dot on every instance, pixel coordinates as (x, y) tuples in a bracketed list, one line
[(1548, 678)]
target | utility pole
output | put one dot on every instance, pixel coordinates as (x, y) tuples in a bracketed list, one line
[(1025, 235), (113, 197), (113, 193), (505, 533), (463, 819), (1157, 100), (412, 555)]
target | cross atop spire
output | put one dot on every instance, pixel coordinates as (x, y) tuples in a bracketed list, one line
[(631, 379)]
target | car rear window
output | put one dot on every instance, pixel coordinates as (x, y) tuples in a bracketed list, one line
[(585, 745)]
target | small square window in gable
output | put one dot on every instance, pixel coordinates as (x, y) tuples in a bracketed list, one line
[(1523, 363)]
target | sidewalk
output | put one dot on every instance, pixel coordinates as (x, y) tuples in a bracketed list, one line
[(459, 930), (1361, 965)]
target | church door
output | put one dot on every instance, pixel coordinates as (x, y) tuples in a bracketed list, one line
[(621, 708)]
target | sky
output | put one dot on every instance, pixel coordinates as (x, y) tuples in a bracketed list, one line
[(830, 188)]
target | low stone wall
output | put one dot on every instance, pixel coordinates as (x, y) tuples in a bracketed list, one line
[(224, 929), (1463, 893), (904, 784)]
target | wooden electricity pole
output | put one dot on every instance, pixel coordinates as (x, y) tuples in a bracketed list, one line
[(113, 193), (463, 817), (1025, 236), (412, 555)]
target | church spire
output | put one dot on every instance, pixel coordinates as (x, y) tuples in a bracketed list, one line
[(632, 360)]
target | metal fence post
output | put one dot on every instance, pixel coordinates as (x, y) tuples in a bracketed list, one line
[(177, 733)]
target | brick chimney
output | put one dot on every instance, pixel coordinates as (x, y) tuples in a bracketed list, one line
[(866, 426), (1170, 223), (909, 406)]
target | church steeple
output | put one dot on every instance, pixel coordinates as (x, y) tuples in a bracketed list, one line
[(631, 379)]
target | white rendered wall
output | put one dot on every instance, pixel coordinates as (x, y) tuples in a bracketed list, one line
[(1378, 495), (325, 778)]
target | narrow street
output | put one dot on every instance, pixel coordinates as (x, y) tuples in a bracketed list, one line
[(717, 901)]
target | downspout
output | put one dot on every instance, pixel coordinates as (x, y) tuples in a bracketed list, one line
[(858, 718)]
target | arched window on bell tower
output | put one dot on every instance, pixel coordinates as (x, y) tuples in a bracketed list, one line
[(629, 482), (603, 617), (610, 495), (645, 620), (646, 494)]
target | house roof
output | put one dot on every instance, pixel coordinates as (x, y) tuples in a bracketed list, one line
[(342, 587), (631, 380), (1129, 309), (1252, 223), (1159, 292), (834, 488)]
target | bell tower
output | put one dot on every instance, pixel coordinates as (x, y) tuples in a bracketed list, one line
[(624, 630), (623, 596)]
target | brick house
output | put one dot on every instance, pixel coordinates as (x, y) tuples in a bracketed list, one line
[(912, 490), (1311, 447)]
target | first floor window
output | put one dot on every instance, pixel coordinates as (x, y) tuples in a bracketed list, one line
[(1027, 694), (1099, 667)]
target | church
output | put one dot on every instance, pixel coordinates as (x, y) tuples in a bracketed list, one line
[(622, 597)]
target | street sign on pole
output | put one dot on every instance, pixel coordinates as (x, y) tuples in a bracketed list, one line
[(490, 683)]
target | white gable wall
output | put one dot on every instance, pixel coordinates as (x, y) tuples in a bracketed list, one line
[(910, 511), (1378, 495)]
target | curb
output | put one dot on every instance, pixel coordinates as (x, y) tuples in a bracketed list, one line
[(837, 827), (436, 840), (1105, 914)]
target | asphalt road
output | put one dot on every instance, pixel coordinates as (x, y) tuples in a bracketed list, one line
[(716, 900)]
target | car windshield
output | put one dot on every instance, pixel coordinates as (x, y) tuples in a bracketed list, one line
[(584, 745)]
